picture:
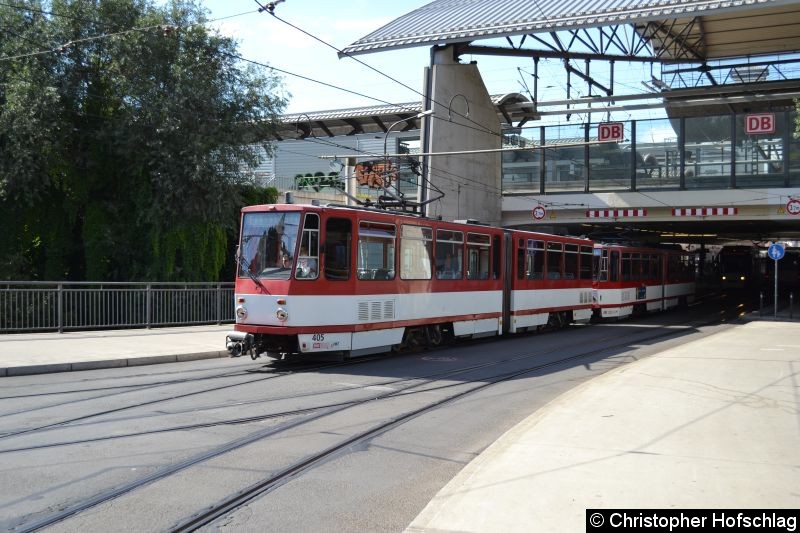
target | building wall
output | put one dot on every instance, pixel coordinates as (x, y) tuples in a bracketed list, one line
[(471, 183), (302, 156)]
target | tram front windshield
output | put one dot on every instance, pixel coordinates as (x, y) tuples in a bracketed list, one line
[(734, 264), (268, 244)]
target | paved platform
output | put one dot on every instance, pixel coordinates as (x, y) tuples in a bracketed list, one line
[(714, 423), (36, 353)]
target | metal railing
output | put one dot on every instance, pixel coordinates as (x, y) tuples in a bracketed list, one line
[(54, 306)]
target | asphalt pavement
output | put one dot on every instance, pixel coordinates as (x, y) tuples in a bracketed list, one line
[(713, 423)]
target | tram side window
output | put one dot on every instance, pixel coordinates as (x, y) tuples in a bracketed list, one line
[(626, 267), (586, 262), (677, 268), (534, 259), (449, 254), (338, 236), (555, 260), (636, 267), (571, 261), (307, 266), (496, 257), (687, 267), (478, 248), (375, 251), (613, 266), (415, 252), (655, 267)]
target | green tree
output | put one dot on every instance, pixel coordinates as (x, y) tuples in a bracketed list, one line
[(125, 144)]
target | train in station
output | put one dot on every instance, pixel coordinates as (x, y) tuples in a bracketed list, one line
[(348, 281), (742, 266)]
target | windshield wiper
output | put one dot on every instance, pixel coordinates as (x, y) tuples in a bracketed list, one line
[(242, 262)]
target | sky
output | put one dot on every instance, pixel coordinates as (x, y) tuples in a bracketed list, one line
[(263, 38), (266, 39)]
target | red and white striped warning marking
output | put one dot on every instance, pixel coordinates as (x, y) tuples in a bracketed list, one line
[(615, 213), (704, 211)]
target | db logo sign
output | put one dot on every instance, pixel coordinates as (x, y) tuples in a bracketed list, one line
[(759, 123), (793, 207), (610, 131)]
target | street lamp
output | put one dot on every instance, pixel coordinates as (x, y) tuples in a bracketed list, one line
[(386, 137), (310, 126), (450, 106)]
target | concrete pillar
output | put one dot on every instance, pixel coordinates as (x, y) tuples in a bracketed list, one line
[(471, 182)]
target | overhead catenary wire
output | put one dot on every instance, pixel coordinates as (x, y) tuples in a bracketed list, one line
[(378, 71), (160, 26), (235, 56), (481, 128), (138, 29), (50, 13), (270, 8)]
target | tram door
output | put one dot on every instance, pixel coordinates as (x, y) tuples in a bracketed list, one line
[(606, 266), (600, 264)]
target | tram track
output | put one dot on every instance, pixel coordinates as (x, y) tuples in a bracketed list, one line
[(115, 387), (237, 405), (297, 468), (268, 416), (272, 375), (290, 370)]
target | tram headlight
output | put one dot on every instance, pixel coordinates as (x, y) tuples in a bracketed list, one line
[(241, 312), (742, 278), (282, 314), (724, 278)]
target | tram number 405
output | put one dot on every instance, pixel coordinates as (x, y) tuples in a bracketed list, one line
[(318, 337)]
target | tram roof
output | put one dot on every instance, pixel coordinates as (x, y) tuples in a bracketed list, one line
[(726, 28)]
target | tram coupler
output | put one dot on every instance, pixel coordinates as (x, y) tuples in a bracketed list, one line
[(238, 343)]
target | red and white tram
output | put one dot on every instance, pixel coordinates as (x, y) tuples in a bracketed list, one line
[(631, 279), (356, 281), (552, 281), (350, 282)]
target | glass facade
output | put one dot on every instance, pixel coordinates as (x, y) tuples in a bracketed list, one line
[(759, 157), (521, 168), (708, 152), (609, 163), (793, 153), (703, 152), (564, 167), (657, 154)]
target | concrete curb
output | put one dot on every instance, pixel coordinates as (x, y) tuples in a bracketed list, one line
[(109, 363)]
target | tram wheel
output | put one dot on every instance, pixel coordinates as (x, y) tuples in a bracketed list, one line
[(434, 334)]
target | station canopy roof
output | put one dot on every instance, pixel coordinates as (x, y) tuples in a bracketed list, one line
[(378, 118), (688, 30)]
